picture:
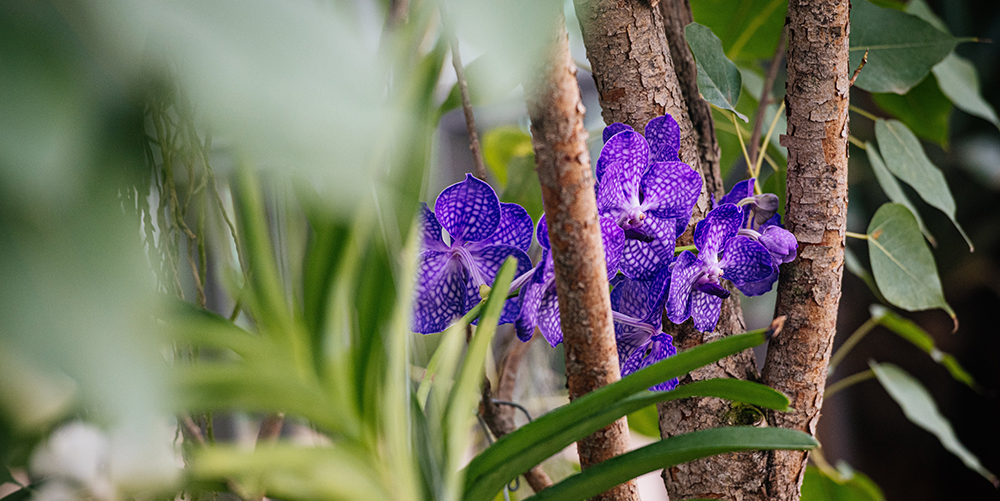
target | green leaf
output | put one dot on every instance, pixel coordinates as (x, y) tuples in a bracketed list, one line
[(902, 48), (920, 409), (912, 332), (645, 421), (719, 80), (853, 265), (905, 157), (502, 144), (892, 188), (920, 9), (523, 187), (924, 109), (748, 30), (672, 451), (959, 80), (848, 485), (291, 472), (903, 266), (465, 395), (529, 445)]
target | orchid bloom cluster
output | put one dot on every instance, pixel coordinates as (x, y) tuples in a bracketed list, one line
[(645, 199)]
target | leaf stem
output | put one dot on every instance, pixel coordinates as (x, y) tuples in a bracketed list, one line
[(851, 342), (851, 380), (863, 112), (857, 142), (743, 146), (859, 236)]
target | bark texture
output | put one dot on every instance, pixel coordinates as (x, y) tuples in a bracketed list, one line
[(809, 287), (643, 68), (560, 142), (676, 15)]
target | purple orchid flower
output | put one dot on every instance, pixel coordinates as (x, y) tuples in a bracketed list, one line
[(637, 308), (763, 224), (539, 302), (695, 288), (648, 192), (482, 234)]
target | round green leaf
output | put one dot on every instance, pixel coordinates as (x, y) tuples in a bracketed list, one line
[(892, 188), (719, 80), (903, 266), (905, 157), (902, 48)]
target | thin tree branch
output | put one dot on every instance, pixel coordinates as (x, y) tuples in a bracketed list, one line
[(479, 167), (560, 142), (500, 418)]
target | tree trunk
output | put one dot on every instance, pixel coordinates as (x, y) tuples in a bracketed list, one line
[(633, 53), (809, 287), (560, 142)]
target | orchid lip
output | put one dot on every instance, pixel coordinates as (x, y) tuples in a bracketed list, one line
[(465, 257), (633, 322)]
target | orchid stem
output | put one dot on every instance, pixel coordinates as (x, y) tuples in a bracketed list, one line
[(851, 342), (848, 381), (743, 145), (678, 250)]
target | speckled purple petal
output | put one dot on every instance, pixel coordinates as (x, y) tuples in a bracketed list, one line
[(705, 309), (548, 316), (780, 242), (613, 239), (628, 153), (630, 297), (603, 161), (487, 262), (671, 190), (658, 289), (440, 292), (759, 287), (658, 348), (527, 319), (687, 268), (515, 228), (719, 225), (613, 129), (542, 233), (745, 260), (741, 190), (469, 210), (664, 138), (642, 260), (430, 230)]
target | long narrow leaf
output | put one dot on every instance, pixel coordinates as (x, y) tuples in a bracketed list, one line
[(672, 451), (465, 392), (541, 446)]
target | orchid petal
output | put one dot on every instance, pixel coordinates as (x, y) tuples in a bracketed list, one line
[(469, 210), (780, 242), (440, 292), (658, 348), (613, 129), (515, 228), (642, 260), (542, 233), (759, 287), (741, 190), (721, 224), (613, 239), (745, 260), (548, 316), (626, 147), (671, 189), (687, 268), (530, 298), (664, 137), (430, 230), (705, 309)]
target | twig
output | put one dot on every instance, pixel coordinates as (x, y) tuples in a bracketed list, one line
[(864, 61), (499, 417), (479, 168), (765, 98)]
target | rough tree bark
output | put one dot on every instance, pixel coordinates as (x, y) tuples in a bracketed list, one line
[(816, 212), (560, 142)]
